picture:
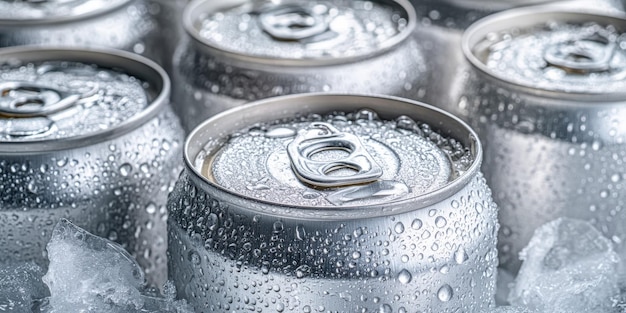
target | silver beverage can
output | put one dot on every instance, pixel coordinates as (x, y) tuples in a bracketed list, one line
[(86, 135), (440, 27), (239, 51), (547, 96), (333, 203), (169, 14), (129, 25)]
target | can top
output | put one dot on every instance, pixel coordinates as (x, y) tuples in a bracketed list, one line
[(326, 151), (19, 12), (299, 32), (551, 49), (55, 98)]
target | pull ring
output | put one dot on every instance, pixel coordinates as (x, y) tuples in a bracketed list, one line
[(589, 54), (37, 100), (321, 137), (292, 22)]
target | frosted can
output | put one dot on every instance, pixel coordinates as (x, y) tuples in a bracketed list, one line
[(439, 32), (86, 135), (121, 24), (238, 51), (339, 203), (547, 96)]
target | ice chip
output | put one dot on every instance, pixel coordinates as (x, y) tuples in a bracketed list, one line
[(91, 272), (568, 266), (20, 286)]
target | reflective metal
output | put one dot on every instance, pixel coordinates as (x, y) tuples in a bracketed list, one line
[(235, 250), (554, 144), (294, 47), (112, 181)]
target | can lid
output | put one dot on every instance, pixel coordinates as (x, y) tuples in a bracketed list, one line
[(49, 97), (21, 12), (299, 32), (551, 49), (338, 159)]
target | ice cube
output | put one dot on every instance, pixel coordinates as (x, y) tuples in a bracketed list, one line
[(92, 274), (568, 266), (20, 285)]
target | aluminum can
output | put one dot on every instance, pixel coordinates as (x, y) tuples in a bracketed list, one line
[(309, 202), (86, 135), (547, 98), (120, 24), (239, 51), (169, 15), (439, 31)]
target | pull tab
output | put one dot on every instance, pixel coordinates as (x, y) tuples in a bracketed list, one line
[(292, 22), (31, 99), (590, 54), (323, 137)]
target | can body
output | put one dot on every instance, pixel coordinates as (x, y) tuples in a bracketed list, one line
[(212, 79), (169, 16), (233, 253), (129, 25), (113, 184), (548, 153)]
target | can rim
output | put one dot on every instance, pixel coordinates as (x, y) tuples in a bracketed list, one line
[(133, 64), (11, 22), (320, 103), (195, 8), (533, 16)]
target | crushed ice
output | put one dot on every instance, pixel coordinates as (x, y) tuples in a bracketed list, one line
[(86, 274)]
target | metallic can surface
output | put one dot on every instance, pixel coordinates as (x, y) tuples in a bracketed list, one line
[(547, 98), (169, 15), (439, 31), (238, 51), (86, 135), (129, 25), (299, 239)]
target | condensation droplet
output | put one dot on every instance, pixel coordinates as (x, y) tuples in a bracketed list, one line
[(445, 293), (404, 277)]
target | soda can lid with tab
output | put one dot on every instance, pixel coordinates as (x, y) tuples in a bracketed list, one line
[(334, 155), (58, 98), (25, 12), (552, 51), (299, 32)]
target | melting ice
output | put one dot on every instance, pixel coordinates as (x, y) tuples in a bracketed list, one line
[(86, 274)]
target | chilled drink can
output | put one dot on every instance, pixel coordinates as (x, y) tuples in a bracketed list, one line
[(547, 96), (86, 135), (333, 202)]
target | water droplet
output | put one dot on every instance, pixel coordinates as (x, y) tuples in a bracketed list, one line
[(417, 224), (356, 254), (404, 277), (440, 221), (280, 132), (385, 308), (616, 178), (445, 293), (126, 169), (278, 226), (399, 228), (460, 256), (151, 208), (300, 232)]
